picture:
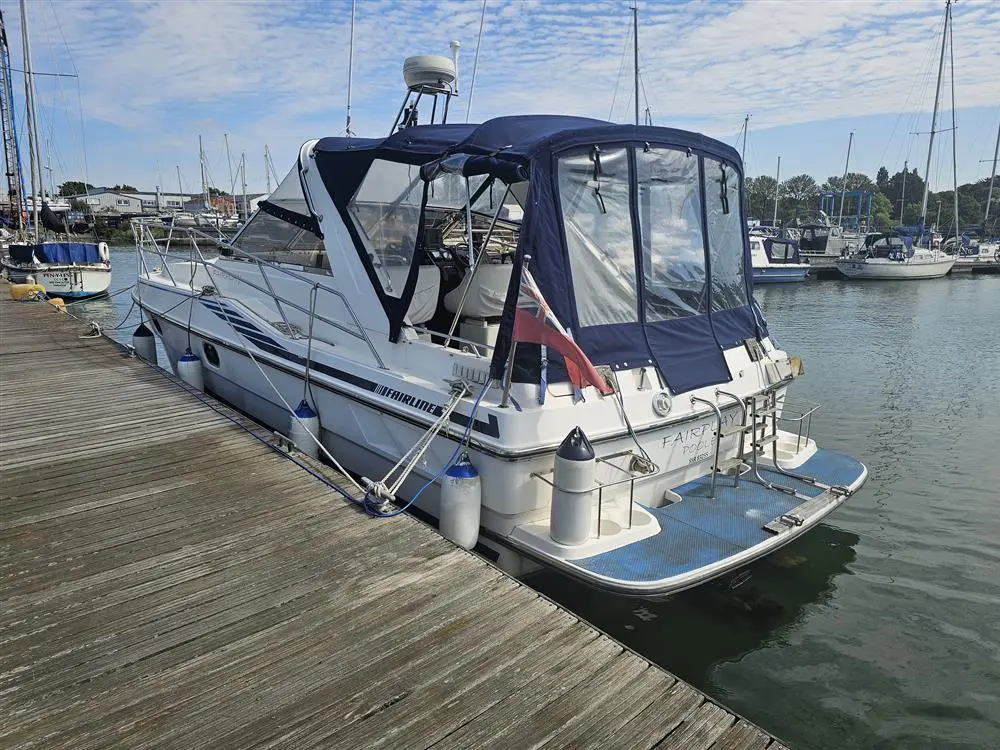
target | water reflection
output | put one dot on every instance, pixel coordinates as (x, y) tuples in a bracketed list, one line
[(695, 630)]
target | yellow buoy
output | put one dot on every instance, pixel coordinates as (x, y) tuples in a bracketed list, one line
[(26, 291), (57, 303)]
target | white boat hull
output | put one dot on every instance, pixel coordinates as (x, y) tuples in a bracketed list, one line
[(368, 433), (65, 281), (885, 269)]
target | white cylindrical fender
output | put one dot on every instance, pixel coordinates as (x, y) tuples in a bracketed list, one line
[(461, 503), (104, 252), (573, 490), (189, 370), (305, 426), (144, 344)]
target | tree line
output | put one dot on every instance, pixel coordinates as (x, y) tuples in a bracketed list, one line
[(896, 200), (76, 187)]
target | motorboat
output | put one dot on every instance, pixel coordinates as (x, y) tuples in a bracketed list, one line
[(538, 332), (819, 237), (776, 260)]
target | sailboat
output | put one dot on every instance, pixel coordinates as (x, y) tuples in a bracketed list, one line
[(894, 255), (65, 268)]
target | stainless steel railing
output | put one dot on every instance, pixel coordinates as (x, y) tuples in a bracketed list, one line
[(146, 242)]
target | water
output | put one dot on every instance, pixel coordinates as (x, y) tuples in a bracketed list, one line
[(880, 629), (117, 315)]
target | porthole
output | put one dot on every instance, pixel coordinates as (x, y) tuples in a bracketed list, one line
[(211, 354)]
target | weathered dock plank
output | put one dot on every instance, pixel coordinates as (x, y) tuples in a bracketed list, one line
[(168, 578)]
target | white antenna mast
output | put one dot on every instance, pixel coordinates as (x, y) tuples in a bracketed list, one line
[(350, 74), (455, 45), (475, 63)]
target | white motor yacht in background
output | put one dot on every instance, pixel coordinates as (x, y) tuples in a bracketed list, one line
[(820, 238), (414, 295)]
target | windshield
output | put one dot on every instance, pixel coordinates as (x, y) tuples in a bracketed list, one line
[(689, 251)]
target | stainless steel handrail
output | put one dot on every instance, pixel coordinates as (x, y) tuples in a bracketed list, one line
[(718, 440), (601, 486), (470, 342), (360, 333)]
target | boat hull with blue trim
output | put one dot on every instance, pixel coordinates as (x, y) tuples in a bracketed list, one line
[(72, 270), (780, 275), (400, 328)]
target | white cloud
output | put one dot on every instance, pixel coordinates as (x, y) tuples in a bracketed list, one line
[(163, 70)]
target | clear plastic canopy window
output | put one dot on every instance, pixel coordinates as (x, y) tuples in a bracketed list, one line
[(595, 188), (288, 195)]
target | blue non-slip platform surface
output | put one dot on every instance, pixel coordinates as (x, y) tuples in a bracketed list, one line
[(699, 530)]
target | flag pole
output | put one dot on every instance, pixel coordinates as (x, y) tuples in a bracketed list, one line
[(508, 376)]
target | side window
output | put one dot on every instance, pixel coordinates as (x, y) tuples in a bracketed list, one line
[(270, 238), (594, 195), (726, 235), (673, 249), (386, 211)]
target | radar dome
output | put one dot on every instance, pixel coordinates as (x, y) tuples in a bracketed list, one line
[(429, 71)]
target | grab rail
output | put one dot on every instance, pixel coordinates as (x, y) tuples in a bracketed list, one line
[(143, 235), (646, 469), (718, 440)]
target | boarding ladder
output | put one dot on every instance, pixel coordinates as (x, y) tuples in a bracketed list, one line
[(757, 428)]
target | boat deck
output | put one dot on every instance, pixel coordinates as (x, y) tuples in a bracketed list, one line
[(168, 578), (701, 530)]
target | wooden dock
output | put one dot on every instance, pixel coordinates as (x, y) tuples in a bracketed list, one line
[(170, 579)]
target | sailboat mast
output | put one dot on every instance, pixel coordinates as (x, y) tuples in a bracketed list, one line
[(267, 168), (350, 81), (954, 124), (934, 118), (743, 153), (902, 197), (777, 187), (635, 56), (204, 184), (48, 167), (993, 177), (843, 184), (229, 161), (34, 153), (180, 187), (243, 178)]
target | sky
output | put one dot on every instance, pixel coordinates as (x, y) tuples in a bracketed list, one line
[(153, 75)]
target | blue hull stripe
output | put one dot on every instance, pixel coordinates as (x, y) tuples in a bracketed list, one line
[(253, 334)]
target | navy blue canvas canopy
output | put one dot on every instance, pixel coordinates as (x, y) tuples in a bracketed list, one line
[(688, 350), (62, 253)]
